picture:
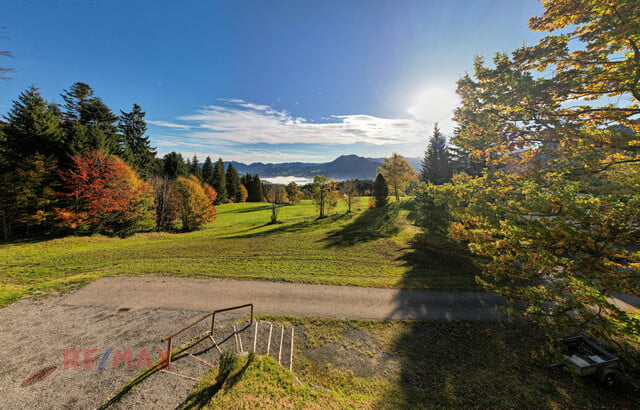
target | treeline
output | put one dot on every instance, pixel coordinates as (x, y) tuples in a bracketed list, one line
[(78, 168)]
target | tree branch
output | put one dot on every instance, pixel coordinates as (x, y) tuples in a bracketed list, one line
[(619, 162)]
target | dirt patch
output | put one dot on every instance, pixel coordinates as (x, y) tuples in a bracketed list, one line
[(350, 348), (38, 336)]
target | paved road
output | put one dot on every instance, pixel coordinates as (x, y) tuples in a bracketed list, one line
[(277, 298)]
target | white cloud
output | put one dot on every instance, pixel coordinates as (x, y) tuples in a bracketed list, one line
[(240, 122), (272, 156), (249, 132), (169, 125)]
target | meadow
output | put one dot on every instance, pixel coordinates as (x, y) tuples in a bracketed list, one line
[(367, 247), (339, 363), (404, 364)]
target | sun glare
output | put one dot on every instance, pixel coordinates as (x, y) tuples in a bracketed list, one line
[(435, 103)]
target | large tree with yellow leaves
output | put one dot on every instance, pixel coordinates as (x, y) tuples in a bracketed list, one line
[(556, 214)]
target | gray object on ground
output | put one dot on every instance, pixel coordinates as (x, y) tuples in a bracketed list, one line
[(590, 359)]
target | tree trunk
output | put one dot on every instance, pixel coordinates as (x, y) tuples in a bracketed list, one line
[(5, 228)]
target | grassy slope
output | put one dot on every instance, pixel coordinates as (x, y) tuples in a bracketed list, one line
[(364, 248), (379, 364), (259, 382)]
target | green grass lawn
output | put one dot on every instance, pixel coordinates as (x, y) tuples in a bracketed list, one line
[(381, 364), (363, 248)]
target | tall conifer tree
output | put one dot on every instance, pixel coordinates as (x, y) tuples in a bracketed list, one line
[(173, 166), (436, 164), (195, 168), (207, 171), (254, 187), (233, 184), (380, 191), (89, 123), (219, 182), (32, 127), (136, 149)]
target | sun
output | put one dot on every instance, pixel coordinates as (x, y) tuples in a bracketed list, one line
[(435, 102)]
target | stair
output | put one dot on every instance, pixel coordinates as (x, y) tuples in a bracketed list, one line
[(263, 338), (260, 337)]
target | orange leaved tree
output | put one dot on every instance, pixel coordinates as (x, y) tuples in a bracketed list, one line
[(191, 204), (104, 196)]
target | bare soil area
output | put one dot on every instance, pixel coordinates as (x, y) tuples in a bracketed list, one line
[(34, 335)]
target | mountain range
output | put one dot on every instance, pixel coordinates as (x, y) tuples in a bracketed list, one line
[(342, 168)]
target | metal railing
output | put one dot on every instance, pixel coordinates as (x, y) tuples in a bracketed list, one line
[(169, 338)]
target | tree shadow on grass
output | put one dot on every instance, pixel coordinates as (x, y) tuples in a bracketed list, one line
[(410, 206), (284, 227), (248, 210), (483, 361), (372, 224), (438, 263), (485, 365), (201, 398)]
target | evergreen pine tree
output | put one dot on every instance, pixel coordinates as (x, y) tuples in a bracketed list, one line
[(256, 193), (32, 127), (31, 146), (233, 184), (89, 124), (75, 100), (219, 182), (173, 166), (436, 164), (195, 168), (136, 149), (103, 132), (247, 181), (380, 191), (207, 171)]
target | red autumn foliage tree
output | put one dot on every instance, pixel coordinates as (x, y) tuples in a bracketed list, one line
[(105, 196)]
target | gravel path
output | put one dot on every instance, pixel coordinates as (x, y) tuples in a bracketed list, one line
[(135, 313), (277, 298), (34, 334)]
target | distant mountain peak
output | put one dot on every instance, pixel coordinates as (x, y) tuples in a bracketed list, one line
[(348, 166)]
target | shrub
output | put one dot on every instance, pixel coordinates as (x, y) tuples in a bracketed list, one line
[(191, 204)]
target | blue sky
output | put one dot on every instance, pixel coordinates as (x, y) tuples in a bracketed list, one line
[(265, 81)]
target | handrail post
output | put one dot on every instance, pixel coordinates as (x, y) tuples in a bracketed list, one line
[(213, 315), (169, 338)]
